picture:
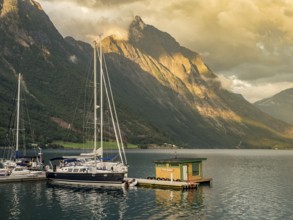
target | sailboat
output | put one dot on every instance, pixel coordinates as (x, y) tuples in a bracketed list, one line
[(92, 168), (16, 164), (10, 162)]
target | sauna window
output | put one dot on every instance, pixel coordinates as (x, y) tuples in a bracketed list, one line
[(195, 169)]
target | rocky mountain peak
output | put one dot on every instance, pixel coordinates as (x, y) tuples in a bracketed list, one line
[(25, 22), (36, 4), (151, 40), (136, 29), (138, 22), (12, 10), (8, 7), (164, 48)]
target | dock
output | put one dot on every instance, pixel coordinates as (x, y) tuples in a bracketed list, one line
[(204, 181), (166, 184), (22, 178), (154, 183)]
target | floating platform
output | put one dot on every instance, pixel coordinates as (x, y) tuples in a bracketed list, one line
[(204, 181), (22, 178), (166, 184), (172, 184)]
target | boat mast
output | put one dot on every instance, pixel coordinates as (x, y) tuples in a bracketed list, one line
[(17, 116), (95, 99), (101, 97)]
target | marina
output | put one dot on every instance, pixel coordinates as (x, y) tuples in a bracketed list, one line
[(140, 182), (173, 173)]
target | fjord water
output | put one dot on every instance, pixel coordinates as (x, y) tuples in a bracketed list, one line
[(247, 184)]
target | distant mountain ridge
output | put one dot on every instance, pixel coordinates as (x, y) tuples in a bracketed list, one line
[(164, 92), (279, 106)]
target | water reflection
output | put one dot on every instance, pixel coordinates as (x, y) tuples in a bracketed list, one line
[(120, 203), (94, 202), (175, 204), (20, 200), (169, 197), (246, 185), (14, 210)]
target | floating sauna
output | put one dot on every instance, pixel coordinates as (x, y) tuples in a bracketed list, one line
[(177, 173), (181, 169)]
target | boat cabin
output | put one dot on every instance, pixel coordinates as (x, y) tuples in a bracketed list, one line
[(179, 169)]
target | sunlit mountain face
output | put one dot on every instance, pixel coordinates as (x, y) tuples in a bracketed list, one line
[(165, 93)]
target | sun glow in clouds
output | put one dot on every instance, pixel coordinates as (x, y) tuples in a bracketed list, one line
[(252, 92)]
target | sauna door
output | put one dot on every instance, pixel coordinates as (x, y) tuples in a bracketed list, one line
[(184, 171)]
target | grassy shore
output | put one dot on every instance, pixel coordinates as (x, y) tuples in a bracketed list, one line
[(90, 145)]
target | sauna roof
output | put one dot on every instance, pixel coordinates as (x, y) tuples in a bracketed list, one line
[(180, 160)]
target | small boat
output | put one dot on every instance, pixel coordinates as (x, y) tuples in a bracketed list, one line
[(19, 171), (131, 183), (4, 172), (92, 168)]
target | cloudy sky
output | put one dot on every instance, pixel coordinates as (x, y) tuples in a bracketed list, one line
[(248, 43)]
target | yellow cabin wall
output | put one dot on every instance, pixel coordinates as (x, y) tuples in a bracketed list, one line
[(190, 176), (165, 171)]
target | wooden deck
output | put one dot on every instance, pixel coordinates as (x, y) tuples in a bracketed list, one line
[(172, 184), (204, 181), (166, 184)]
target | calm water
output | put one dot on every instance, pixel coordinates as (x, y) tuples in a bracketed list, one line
[(247, 184)]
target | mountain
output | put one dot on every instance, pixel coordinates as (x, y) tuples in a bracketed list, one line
[(188, 101), (279, 106), (54, 70), (165, 93), (31, 45)]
